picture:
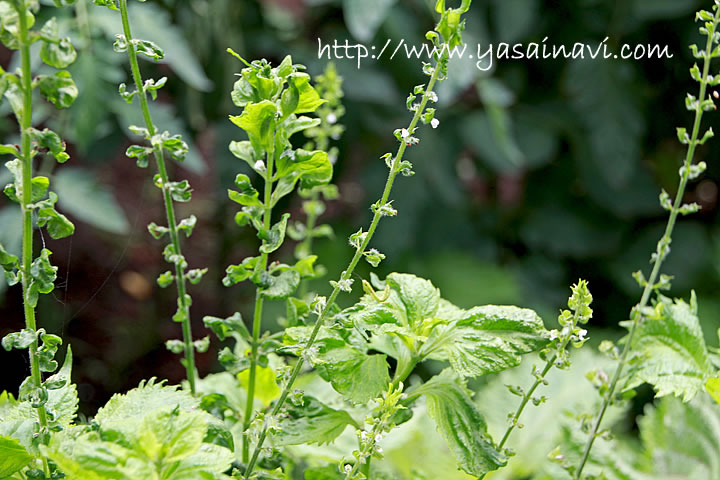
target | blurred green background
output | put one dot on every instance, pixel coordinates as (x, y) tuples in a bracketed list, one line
[(541, 171)]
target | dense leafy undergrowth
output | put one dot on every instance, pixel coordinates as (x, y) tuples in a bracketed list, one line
[(334, 395)]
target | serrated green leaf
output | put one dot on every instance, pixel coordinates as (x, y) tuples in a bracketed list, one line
[(673, 355), (13, 457), (312, 422), (63, 401), (682, 440), (488, 339), (356, 375), (461, 424), (124, 412), (169, 434), (59, 89)]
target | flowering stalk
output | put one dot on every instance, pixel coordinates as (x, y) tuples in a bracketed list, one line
[(687, 172), (171, 191), (556, 353), (380, 423), (450, 30)]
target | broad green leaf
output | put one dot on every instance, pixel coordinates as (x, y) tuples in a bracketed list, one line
[(258, 120), (169, 434), (308, 99), (364, 17), (356, 374), (311, 168), (59, 89), (125, 412), (294, 124), (359, 376), (209, 459), (417, 297), (487, 339), (682, 440), (74, 186), (282, 285), (89, 460), (266, 388), (461, 424), (312, 422), (672, 354), (13, 457)]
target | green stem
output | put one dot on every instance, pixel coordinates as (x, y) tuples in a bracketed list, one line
[(661, 252), (538, 381), (307, 243), (27, 213), (347, 274), (257, 317), (159, 155)]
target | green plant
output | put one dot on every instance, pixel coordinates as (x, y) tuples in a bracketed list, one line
[(395, 366), (668, 377), (172, 191), (37, 203)]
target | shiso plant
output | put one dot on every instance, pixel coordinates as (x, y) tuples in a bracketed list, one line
[(160, 144), (282, 405), (43, 398), (664, 346)]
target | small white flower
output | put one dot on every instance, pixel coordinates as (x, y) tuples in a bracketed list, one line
[(404, 133), (554, 334), (378, 438), (581, 334), (378, 449), (363, 435), (332, 118), (432, 96), (347, 468), (434, 122), (260, 166)]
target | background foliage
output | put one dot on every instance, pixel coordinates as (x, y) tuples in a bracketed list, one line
[(540, 172)]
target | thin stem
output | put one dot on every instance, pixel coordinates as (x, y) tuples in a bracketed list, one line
[(257, 317), (526, 398), (661, 252), (347, 274), (159, 155), (27, 213)]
